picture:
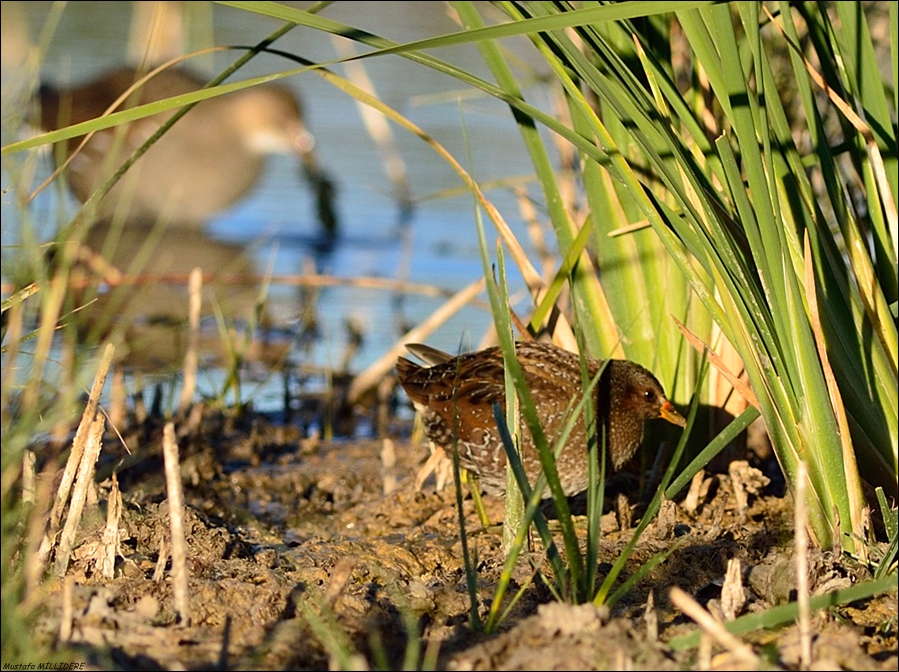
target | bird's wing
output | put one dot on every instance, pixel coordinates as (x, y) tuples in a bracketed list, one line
[(427, 354)]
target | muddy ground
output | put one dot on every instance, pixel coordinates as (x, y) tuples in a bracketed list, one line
[(307, 555)]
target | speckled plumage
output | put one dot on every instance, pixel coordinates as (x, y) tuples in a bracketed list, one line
[(455, 396)]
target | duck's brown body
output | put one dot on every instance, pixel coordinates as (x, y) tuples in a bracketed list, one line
[(456, 395), (208, 160)]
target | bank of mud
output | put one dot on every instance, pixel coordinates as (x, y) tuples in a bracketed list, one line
[(304, 555)]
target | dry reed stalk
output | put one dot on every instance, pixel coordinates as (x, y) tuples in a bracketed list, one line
[(137, 399), (29, 462), (629, 228), (75, 457), (713, 628), (90, 410), (118, 396), (719, 363), (376, 123), (83, 483), (704, 652), (385, 392), (191, 357), (37, 525), (68, 610), (65, 385), (180, 575), (339, 580), (391, 158), (14, 328), (158, 32), (228, 279), (162, 556), (375, 372), (535, 233), (388, 465)]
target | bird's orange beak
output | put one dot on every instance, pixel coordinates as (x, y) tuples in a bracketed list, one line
[(670, 413)]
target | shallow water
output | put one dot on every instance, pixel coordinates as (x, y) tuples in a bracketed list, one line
[(278, 219)]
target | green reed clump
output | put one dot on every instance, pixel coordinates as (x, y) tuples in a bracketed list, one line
[(714, 198)]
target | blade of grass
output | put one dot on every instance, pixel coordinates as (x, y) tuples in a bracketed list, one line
[(787, 613)]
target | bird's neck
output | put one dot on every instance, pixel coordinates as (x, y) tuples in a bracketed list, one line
[(624, 432)]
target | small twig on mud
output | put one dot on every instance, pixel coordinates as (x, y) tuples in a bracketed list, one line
[(176, 521), (733, 597), (111, 535), (162, 557), (694, 494), (651, 618), (339, 580), (704, 619)]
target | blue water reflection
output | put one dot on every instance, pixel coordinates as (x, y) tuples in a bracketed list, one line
[(278, 217)]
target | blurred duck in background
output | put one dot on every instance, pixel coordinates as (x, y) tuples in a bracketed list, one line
[(151, 225), (203, 164)]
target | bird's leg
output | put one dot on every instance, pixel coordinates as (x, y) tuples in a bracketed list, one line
[(476, 496)]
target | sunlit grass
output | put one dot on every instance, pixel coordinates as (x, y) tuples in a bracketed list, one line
[(707, 199), (700, 166)]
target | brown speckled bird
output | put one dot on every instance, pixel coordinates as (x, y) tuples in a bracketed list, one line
[(461, 391)]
